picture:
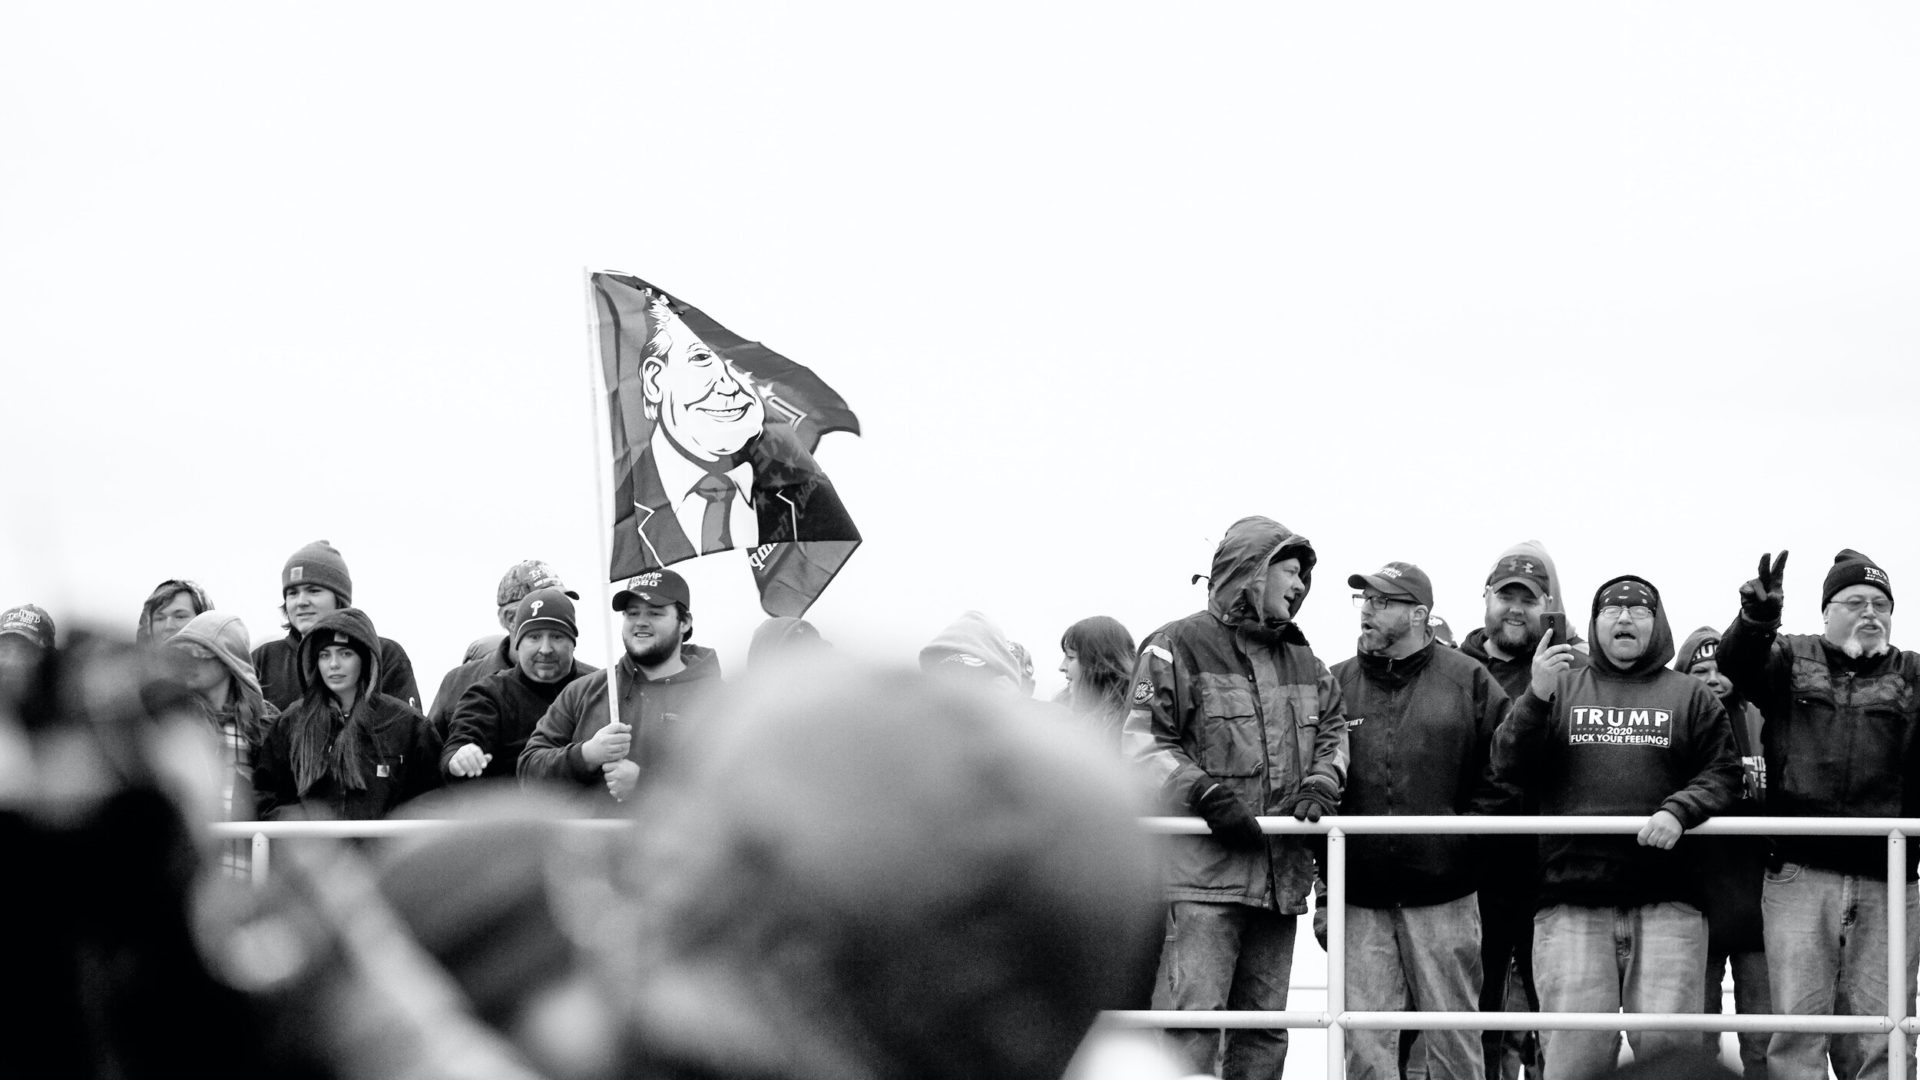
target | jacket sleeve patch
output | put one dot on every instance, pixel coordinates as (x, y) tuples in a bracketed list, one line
[(1142, 692)]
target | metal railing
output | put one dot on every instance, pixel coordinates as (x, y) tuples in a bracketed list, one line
[(1336, 1019)]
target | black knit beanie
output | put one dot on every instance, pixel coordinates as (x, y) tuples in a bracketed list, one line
[(1852, 568)]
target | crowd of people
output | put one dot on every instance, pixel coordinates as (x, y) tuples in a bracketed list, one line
[(1228, 714)]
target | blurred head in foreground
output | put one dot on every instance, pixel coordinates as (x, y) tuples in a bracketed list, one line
[(870, 873)]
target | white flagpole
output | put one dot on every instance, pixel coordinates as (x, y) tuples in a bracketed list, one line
[(600, 430)]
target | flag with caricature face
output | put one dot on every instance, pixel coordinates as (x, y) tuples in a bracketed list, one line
[(713, 441)]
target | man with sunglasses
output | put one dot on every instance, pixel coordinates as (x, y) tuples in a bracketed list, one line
[(1420, 724), (1839, 713), (1619, 921)]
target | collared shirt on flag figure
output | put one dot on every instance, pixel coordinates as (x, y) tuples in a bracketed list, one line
[(712, 442), (1233, 717)]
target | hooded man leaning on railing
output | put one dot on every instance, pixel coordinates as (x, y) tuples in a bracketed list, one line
[(1619, 922)]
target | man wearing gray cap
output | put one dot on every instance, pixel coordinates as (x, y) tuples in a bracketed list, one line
[(663, 681), (493, 653), (1420, 724)]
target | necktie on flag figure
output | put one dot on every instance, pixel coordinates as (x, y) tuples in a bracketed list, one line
[(693, 408)]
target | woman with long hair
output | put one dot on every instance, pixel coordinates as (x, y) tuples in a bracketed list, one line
[(344, 750), (1097, 659), (172, 604)]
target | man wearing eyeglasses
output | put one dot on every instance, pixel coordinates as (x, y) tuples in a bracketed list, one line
[(1420, 724), (1839, 741), (1619, 921)]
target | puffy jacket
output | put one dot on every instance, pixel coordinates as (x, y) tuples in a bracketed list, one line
[(277, 663), (652, 707), (1420, 735), (1838, 735), (1222, 697), (1624, 740), (399, 755)]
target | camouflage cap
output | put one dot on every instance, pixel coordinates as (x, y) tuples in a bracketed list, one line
[(523, 578)]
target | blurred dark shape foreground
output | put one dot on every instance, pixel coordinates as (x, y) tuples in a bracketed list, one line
[(848, 873)]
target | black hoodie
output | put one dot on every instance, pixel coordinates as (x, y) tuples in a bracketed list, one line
[(1627, 740)]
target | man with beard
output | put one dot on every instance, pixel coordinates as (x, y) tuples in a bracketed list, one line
[(663, 681), (1420, 724), (495, 716), (1838, 735), (1233, 717), (1522, 588), (1619, 922)]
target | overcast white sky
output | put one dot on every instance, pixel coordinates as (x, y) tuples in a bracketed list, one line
[(1418, 280)]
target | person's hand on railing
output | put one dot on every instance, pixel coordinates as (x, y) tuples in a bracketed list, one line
[(1549, 660), (1762, 598), (469, 760), (1662, 831), (620, 777), (1316, 796), (607, 745), (1229, 819)]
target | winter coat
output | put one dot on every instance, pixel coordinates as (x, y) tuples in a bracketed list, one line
[(1620, 740), (1223, 697), (1838, 735), (277, 663), (398, 753), (1420, 738), (498, 714), (654, 708)]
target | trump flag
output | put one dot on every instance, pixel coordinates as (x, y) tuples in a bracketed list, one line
[(713, 441)]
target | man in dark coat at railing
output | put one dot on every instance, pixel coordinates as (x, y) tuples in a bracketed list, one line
[(1839, 714), (1420, 724)]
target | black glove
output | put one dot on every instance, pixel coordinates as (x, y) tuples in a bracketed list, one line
[(1315, 797), (1232, 823), (1761, 598)]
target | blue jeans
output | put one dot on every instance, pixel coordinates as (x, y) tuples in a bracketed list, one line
[(1419, 957), (1648, 959), (1227, 956), (1826, 936)]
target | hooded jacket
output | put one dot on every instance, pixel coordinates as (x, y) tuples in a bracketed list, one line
[(654, 708), (277, 663), (1620, 740), (1223, 696), (974, 643), (1420, 735), (398, 754), (247, 717), (1838, 735)]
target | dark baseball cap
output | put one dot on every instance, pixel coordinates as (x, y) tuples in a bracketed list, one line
[(544, 608), (654, 587), (1519, 570), (1401, 580)]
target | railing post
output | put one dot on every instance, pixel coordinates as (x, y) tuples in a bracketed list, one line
[(1896, 952), (1336, 952), (257, 866)]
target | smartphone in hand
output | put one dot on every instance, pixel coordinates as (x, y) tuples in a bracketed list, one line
[(1554, 627)]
